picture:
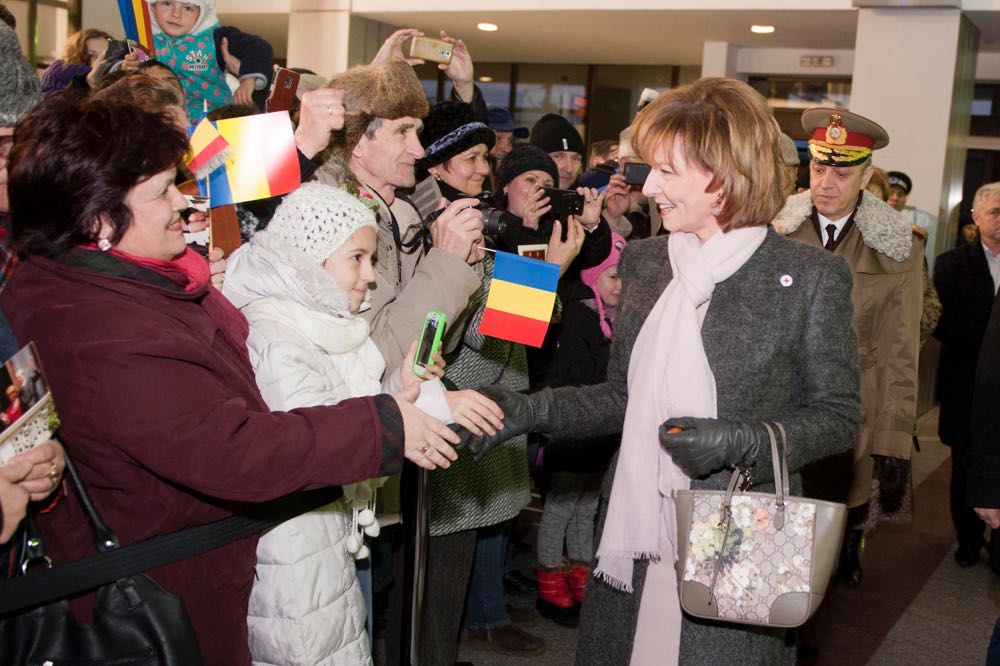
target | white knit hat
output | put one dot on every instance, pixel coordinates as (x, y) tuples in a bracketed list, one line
[(317, 219)]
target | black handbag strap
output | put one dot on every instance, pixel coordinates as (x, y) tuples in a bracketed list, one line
[(114, 562)]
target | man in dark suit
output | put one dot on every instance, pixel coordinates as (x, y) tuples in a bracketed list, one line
[(983, 462), (966, 279)]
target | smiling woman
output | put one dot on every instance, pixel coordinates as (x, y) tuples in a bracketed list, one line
[(157, 396)]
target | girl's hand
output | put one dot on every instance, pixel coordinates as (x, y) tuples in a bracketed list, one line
[(410, 378), (475, 412)]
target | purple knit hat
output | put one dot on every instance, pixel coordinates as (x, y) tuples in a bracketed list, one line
[(589, 277)]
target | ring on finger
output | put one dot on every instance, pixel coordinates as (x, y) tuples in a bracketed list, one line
[(425, 448), (329, 109)]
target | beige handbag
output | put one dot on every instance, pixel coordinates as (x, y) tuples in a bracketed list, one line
[(756, 558)]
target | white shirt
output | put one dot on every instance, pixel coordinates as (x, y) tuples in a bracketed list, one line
[(993, 261), (824, 221)]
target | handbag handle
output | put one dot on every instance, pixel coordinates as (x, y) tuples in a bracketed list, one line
[(104, 538), (779, 464)]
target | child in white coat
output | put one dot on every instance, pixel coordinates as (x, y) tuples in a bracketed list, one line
[(300, 283)]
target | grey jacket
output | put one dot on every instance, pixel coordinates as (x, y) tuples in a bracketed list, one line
[(779, 353)]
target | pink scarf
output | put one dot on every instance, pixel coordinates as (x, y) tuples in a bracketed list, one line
[(668, 375)]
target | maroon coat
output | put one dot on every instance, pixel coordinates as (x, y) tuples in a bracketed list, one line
[(163, 418)]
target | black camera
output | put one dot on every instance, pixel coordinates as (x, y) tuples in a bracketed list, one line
[(497, 223), (564, 203)]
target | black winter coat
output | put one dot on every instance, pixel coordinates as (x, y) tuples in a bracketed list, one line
[(964, 285)]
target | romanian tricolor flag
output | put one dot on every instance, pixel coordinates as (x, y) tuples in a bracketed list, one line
[(262, 161), (138, 23), (208, 150), (521, 298)]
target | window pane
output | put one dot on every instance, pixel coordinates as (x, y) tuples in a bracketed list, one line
[(428, 75), (618, 88), (545, 89), (493, 80)]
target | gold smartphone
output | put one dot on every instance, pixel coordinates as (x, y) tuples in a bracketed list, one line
[(430, 49)]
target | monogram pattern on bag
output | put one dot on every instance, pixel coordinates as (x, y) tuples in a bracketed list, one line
[(759, 563)]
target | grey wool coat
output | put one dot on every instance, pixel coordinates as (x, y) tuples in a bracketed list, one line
[(779, 353)]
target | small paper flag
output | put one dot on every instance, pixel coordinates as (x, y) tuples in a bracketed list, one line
[(262, 161), (208, 150), (137, 22), (522, 295)]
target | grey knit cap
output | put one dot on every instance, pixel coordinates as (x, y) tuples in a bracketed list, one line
[(20, 89), (317, 219)]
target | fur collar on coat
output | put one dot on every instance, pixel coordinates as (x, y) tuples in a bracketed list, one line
[(882, 228)]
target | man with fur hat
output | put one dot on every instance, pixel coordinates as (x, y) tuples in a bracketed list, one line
[(377, 152), (838, 214)]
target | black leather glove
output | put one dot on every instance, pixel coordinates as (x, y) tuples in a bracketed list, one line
[(521, 414), (706, 445)]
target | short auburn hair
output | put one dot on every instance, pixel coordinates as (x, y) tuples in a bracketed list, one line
[(724, 127), (74, 160)]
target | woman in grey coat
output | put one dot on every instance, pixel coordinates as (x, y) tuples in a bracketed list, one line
[(754, 328)]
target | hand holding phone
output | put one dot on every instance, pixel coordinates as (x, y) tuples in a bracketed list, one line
[(636, 173), (433, 50), (564, 203), (430, 342)]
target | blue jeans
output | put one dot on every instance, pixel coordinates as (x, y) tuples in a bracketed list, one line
[(485, 607)]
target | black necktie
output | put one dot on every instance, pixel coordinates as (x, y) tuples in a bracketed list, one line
[(831, 233)]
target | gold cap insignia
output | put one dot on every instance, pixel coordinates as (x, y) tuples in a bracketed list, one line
[(836, 135)]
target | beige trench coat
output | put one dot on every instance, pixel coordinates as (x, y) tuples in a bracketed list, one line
[(402, 295), (886, 259)]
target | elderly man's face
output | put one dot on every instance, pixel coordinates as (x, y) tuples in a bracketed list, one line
[(390, 157), (986, 215), (835, 189)]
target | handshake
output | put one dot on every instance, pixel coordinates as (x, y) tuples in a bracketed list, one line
[(698, 446)]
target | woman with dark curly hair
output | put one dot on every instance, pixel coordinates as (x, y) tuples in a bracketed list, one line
[(149, 363)]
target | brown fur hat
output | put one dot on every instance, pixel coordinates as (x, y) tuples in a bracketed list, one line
[(387, 91)]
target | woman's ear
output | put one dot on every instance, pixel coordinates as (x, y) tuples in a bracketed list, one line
[(436, 171)]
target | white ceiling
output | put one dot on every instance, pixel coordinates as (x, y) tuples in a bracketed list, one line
[(662, 37), (627, 37)]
